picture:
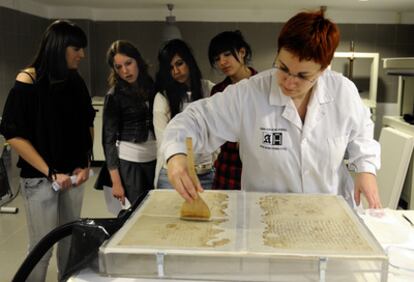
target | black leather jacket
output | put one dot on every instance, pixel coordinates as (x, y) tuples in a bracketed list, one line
[(126, 117)]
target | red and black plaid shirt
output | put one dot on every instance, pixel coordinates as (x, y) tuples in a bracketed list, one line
[(228, 164)]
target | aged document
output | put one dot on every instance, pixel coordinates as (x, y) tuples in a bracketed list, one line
[(172, 232), (158, 224), (271, 223), (304, 223), (168, 203), (251, 236)]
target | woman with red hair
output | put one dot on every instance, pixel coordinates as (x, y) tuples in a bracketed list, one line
[(295, 123)]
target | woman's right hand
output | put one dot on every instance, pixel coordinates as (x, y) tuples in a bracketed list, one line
[(63, 180), (180, 178), (117, 188), (118, 192)]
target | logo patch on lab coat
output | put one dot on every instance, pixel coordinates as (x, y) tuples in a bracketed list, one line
[(273, 138)]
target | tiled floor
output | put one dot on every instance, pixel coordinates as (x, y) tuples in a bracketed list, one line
[(13, 231)]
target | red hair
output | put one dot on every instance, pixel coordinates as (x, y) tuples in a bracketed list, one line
[(310, 36)]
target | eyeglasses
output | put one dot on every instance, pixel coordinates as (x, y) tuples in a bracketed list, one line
[(299, 77)]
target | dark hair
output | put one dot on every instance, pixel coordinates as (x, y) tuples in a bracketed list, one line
[(50, 59), (144, 80), (310, 36), (231, 41), (176, 92)]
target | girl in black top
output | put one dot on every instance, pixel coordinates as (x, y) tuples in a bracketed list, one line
[(48, 120)]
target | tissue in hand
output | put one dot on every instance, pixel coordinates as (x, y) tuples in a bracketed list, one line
[(57, 187)]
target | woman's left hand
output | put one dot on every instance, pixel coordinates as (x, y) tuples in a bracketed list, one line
[(367, 184), (82, 174)]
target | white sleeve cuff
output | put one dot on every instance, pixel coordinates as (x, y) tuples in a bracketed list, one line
[(370, 168), (173, 149)]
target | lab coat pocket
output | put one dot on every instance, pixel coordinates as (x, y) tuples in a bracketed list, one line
[(337, 147)]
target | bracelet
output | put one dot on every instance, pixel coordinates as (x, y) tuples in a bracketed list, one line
[(90, 156), (51, 175)]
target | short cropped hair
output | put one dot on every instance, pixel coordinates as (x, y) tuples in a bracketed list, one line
[(310, 36)]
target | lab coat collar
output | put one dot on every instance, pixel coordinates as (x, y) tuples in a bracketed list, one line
[(321, 92), (316, 111), (316, 107), (277, 98)]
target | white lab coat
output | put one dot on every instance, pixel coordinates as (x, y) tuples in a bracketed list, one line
[(278, 152)]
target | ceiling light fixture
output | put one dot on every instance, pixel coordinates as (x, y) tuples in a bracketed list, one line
[(170, 31)]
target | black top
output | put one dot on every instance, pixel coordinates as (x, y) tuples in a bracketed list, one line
[(55, 117), (127, 116)]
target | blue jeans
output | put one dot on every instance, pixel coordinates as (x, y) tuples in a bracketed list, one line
[(45, 210), (206, 180)]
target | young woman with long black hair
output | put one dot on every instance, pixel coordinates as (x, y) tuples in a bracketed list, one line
[(179, 83), (48, 121)]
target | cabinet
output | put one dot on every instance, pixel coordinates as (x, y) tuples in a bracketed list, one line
[(398, 123), (404, 69), (98, 153), (369, 98)]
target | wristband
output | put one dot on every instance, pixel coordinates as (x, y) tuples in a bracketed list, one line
[(51, 175)]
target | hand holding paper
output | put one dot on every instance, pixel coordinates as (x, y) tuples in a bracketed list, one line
[(57, 187), (114, 205)]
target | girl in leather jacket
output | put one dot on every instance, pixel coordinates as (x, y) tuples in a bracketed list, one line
[(128, 135)]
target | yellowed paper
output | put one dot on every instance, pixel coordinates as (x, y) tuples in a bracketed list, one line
[(305, 223), (159, 225)]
